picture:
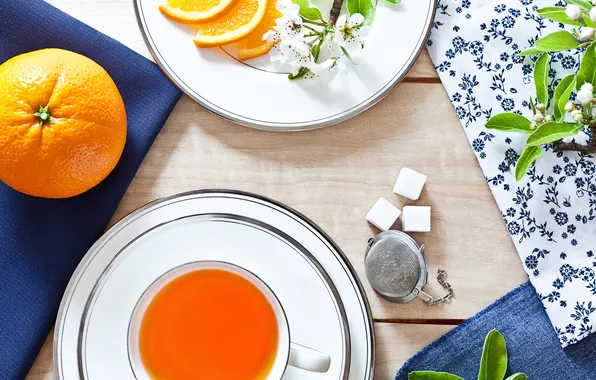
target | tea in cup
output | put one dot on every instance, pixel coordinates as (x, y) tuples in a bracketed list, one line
[(214, 320)]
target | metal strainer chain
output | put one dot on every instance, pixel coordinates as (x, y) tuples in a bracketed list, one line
[(442, 279)]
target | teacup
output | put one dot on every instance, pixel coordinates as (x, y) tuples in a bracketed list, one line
[(273, 366)]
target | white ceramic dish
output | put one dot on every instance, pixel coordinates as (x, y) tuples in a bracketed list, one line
[(324, 302), (255, 94)]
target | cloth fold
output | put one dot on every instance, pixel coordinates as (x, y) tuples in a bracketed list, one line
[(551, 213), (532, 345), (42, 240)]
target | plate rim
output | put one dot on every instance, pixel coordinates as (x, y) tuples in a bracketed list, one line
[(341, 256), (279, 126)]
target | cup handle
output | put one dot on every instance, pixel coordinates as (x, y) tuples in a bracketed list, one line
[(308, 359)]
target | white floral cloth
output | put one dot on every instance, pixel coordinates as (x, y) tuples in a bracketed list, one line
[(551, 213)]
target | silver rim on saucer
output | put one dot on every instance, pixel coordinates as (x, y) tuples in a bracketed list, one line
[(284, 127), (232, 195)]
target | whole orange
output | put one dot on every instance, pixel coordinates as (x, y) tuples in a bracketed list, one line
[(62, 123)]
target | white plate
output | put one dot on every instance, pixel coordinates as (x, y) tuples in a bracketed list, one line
[(324, 301), (255, 94)]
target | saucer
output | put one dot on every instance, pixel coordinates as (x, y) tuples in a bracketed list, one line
[(325, 304)]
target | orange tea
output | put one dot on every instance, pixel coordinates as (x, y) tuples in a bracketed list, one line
[(209, 324)]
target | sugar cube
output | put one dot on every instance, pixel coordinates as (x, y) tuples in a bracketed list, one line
[(409, 183), (416, 219), (383, 214)]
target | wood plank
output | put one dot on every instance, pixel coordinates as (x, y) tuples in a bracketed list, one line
[(334, 175), (396, 343), (116, 18)]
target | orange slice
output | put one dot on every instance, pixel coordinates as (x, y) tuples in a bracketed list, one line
[(240, 20), (252, 45), (192, 11)]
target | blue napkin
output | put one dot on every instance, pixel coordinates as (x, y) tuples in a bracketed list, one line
[(43, 240), (532, 344)]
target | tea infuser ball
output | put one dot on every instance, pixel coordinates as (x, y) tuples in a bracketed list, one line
[(396, 268)]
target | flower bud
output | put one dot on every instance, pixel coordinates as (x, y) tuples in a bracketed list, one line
[(548, 118), (593, 14), (574, 12), (584, 96), (539, 118), (569, 106), (533, 126), (540, 107), (587, 87), (588, 32)]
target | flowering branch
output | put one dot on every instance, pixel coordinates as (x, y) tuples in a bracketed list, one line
[(310, 47), (555, 126)]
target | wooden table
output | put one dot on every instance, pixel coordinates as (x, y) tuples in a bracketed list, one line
[(333, 176)]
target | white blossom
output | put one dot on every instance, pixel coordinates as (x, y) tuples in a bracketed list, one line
[(588, 32), (594, 2), (349, 32), (573, 11), (287, 7), (271, 36), (548, 118), (322, 72), (291, 51), (540, 107)]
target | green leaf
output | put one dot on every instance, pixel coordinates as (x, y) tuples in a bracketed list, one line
[(393, 1), (584, 4), (553, 131), (533, 106), (508, 121), (300, 74), (429, 375), (587, 68), (493, 363), (557, 14), (308, 10), (529, 155), (588, 21), (541, 78), (365, 7), (557, 41), (316, 50), (517, 376), (348, 56), (562, 93), (530, 51)]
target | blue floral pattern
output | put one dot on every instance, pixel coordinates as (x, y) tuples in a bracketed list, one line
[(551, 213)]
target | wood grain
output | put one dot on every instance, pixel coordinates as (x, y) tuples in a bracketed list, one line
[(334, 175), (396, 343)]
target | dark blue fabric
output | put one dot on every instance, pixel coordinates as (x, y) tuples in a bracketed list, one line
[(532, 345), (42, 240)]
